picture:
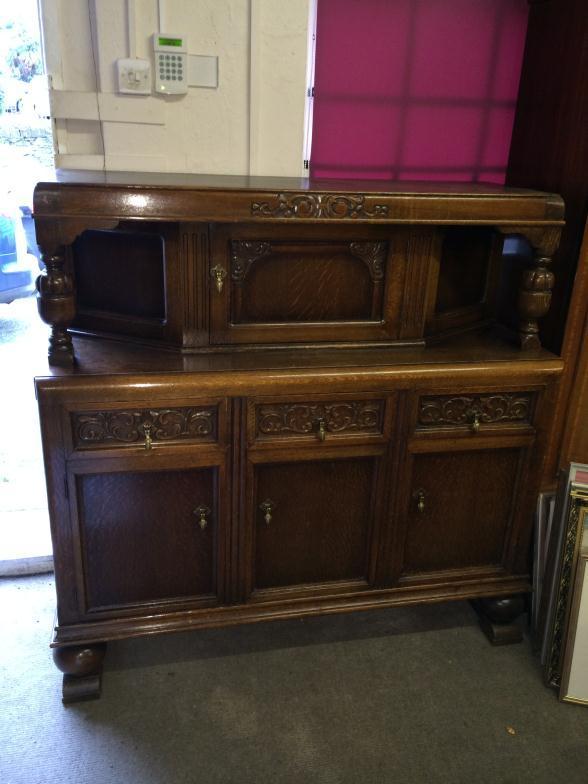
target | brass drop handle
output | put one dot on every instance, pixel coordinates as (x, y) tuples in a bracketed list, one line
[(147, 428), (322, 429), (267, 507), (219, 274), (202, 512), (419, 497), (476, 423)]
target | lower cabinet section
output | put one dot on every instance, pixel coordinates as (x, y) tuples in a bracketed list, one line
[(156, 534)]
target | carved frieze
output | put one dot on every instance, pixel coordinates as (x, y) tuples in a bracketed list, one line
[(95, 428), (354, 416), (318, 205), (451, 410)]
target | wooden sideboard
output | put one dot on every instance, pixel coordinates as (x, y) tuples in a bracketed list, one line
[(271, 399)]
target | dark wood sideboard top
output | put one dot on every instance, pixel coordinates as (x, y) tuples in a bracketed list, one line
[(194, 197)]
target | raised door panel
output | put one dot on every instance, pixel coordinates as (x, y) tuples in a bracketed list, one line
[(313, 522), (148, 536), (460, 509), (311, 284)]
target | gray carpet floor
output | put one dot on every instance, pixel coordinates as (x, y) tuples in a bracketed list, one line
[(406, 695)]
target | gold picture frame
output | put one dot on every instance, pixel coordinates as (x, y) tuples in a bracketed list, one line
[(559, 648)]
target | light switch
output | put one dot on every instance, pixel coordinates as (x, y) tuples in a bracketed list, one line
[(134, 76)]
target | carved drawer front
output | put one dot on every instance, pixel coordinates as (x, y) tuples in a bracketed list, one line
[(144, 427), (320, 421), (475, 412)]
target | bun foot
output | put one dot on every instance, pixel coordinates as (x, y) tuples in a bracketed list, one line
[(497, 618), (82, 668)]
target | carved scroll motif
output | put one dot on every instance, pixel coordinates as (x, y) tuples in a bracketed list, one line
[(319, 205), (243, 254), (92, 428), (357, 416), (451, 410)]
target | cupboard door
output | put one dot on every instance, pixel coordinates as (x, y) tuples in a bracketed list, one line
[(461, 509), (148, 535), (276, 286), (313, 522)]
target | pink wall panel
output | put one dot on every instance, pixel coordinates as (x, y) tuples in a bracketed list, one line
[(416, 89)]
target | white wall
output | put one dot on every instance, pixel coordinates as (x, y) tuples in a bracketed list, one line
[(253, 123)]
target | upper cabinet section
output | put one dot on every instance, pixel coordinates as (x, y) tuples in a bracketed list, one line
[(202, 263)]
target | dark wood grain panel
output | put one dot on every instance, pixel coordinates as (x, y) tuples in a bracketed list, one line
[(311, 282), (467, 498), (141, 541), (320, 525)]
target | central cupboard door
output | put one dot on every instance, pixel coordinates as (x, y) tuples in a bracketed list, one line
[(271, 284), (312, 522)]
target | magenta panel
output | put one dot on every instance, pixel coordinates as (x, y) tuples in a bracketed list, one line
[(416, 89)]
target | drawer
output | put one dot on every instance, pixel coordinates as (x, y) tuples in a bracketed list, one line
[(475, 412), (318, 419), (146, 427)]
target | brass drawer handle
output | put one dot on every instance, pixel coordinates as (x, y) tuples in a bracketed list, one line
[(476, 423), (267, 507), (147, 428), (419, 496), (219, 274), (322, 429), (202, 512)]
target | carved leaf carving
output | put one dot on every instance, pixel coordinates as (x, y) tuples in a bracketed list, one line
[(243, 254), (302, 418), (92, 428), (373, 254), (444, 410), (319, 205)]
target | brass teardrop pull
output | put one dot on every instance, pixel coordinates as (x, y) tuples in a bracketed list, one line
[(267, 507), (219, 274), (322, 429), (147, 428), (419, 496), (476, 423), (202, 512)]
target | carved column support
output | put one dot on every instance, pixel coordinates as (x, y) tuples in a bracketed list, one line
[(534, 301), (56, 304), (82, 668), (537, 282)]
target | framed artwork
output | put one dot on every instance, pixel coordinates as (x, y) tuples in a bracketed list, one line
[(570, 545), (574, 676)]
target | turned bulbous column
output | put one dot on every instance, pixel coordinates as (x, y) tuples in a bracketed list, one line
[(57, 307)]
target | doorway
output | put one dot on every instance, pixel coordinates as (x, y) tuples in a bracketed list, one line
[(26, 157)]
